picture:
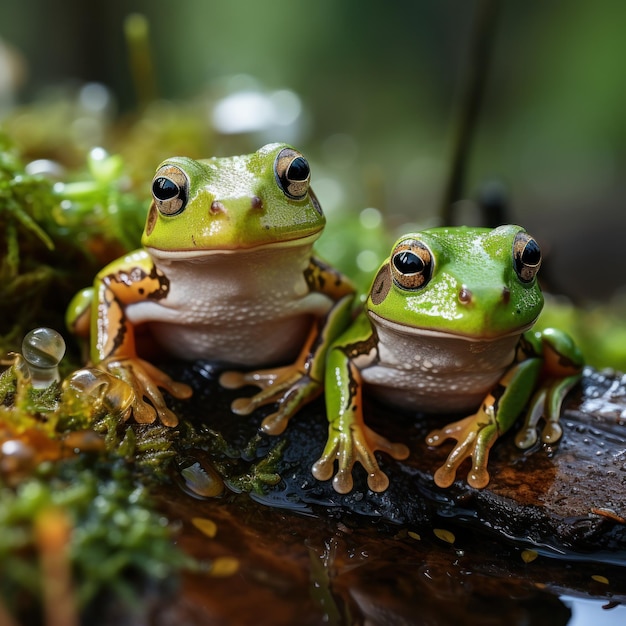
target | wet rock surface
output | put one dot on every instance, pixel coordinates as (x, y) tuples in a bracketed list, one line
[(546, 535), (568, 499)]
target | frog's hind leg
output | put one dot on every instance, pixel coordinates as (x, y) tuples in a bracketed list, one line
[(546, 403), (283, 385), (476, 434), (290, 386)]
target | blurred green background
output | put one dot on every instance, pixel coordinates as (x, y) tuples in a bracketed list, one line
[(370, 93)]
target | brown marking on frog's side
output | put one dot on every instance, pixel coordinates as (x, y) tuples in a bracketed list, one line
[(354, 382), (359, 348), (558, 364), (136, 284), (381, 285), (125, 287), (151, 221), (323, 278), (113, 312), (161, 282)]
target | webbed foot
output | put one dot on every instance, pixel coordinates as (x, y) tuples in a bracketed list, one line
[(474, 435), (287, 386), (354, 444)]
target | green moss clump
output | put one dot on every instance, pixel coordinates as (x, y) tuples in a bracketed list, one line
[(116, 535), (55, 237)]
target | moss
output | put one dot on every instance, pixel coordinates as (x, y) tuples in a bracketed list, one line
[(116, 533), (55, 237), (117, 539)]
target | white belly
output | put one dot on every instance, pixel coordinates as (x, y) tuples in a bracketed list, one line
[(250, 343), (241, 308), (437, 372)]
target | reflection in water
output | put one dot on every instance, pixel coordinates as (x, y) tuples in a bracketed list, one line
[(586, 612)]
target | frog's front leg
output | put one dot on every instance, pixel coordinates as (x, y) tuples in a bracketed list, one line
[(476, 433), (349, 439), (146, 380), (294, 385), (124, 282)]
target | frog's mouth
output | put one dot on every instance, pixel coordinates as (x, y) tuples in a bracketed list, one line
[(405, 329), (236, 248)]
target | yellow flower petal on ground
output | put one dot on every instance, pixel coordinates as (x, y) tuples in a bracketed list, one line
[(224, 566), (600, 579), (205, 526), (444, 535)]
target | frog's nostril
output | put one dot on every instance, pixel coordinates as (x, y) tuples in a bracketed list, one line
[(506, 295), (465, 295), (217, 207), (256, 202)]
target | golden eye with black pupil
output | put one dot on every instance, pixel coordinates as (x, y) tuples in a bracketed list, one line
[(411, 264), (526, 257), (292, 173), (170, 190)]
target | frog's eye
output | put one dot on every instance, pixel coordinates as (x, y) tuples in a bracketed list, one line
[(170, 189), (526, 257), (292, 173), (411, 264)]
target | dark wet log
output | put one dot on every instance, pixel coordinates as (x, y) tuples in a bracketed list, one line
[(299, 553), (569, 499)]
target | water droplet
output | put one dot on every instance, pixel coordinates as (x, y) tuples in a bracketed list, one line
[(43, 349)]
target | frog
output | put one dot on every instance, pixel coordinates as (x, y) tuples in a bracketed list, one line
[(226, 272), (447, 328)]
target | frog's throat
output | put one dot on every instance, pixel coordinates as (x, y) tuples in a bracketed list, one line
[(418, 331), (236, 247)]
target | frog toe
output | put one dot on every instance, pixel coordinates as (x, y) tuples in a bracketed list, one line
[(274, 424), (445, 475), (454, 430), (397, 451), (378, 481), (168, 418), (370, 440), (551, 432), (143, 413), (478, 477), (526, 438), (259, 378), (323, 468), (242, 406), (179, 390), (151, 375), (342, 482), (232, 380)]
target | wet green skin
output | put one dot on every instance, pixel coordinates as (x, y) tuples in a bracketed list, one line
[(449, 333), (227, 273)]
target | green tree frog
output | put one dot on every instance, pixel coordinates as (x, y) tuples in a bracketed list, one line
[(445, 329), (227, 273)]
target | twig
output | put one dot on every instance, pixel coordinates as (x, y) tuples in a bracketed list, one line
[(481, 45)]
